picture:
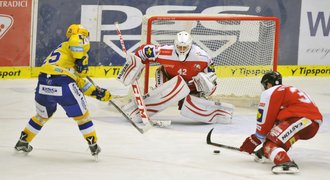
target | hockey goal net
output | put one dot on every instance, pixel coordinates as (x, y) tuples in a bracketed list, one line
[(242, 47)]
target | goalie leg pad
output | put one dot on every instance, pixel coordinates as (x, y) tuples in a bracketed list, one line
[(160, 98), (132, 69), (207, 111)]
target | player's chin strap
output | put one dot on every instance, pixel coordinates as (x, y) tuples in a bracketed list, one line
[(207, 111)]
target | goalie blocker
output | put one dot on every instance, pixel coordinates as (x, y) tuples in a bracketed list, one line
[(195, 108)]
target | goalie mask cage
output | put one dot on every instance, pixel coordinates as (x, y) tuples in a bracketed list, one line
[(242, 47)]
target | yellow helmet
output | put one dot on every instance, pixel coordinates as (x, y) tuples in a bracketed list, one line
[(79, 46), (77, 29)]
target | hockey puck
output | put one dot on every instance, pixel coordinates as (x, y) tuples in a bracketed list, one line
[(216, 151)]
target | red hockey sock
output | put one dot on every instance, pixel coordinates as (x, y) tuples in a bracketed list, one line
[(275, 153)]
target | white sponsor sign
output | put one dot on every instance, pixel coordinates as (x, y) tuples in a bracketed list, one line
[(91, 17), (314, 40)]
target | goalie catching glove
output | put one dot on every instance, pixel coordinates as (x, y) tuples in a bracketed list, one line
[(205, 83), (131, 70)]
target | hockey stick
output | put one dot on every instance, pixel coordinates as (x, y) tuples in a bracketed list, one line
[(137, 93), (259, 155), (140, 129), (208, 141)]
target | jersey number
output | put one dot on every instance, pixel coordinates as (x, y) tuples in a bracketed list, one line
[(55, 56), (303, 96), (182, 71)]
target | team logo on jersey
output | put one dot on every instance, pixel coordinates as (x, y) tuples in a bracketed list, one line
[(259, 115), (6, 23), (197, 67)]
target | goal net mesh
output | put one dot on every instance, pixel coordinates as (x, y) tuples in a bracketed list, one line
[(242, 47)]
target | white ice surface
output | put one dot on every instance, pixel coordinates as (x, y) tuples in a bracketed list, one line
[(179, 152)]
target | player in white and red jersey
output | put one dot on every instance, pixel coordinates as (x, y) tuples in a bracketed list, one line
[(183, 58), (181, 65), (285, 115)]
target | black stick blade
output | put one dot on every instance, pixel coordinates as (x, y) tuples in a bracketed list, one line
[(208, 138)]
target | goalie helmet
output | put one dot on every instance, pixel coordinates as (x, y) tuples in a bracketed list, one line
[(272, 77), (183, 44), (77, 29)]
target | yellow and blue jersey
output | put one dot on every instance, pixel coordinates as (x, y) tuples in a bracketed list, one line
[(62, 61)]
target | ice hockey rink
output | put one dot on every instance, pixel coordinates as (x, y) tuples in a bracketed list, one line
[(178, 152)]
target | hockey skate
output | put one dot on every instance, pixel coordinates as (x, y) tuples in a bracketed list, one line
[(95, 149), (22, 144), (286, 168)]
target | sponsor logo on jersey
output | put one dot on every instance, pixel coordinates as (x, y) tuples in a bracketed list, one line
[(6, 23), (50, 90), (76, 49), (166, 52), (261, 104), (58, 70)]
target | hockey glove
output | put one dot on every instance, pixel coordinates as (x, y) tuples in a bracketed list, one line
[(82, 65), (250, 144), (101, 94)]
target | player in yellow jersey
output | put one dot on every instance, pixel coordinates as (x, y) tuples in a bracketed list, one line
[(61, 82)]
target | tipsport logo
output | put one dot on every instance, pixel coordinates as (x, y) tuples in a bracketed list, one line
[(6, 23)]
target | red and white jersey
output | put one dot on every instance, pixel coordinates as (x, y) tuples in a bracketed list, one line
[(196, 61), (280, 103)]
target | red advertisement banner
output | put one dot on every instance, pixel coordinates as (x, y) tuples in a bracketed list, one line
[(15, 32)]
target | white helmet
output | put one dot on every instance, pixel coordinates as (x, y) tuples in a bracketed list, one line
[(183, 44)]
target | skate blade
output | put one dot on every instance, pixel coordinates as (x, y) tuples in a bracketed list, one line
[(291, 170)]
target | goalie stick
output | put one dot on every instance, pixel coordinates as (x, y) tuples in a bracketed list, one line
[(137, 93), (140, 129)]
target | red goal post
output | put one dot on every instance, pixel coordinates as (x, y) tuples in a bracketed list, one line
[(244, 44)]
